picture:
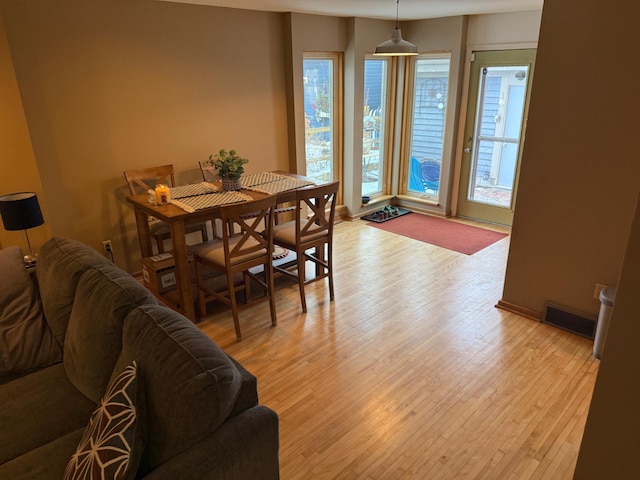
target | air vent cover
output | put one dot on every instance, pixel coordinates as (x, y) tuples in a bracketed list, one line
[(575, 322)]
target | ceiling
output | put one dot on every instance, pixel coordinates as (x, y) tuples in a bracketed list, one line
[(382, 9)]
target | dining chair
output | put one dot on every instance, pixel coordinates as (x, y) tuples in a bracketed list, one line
[(237, 253), (143, 179), (308, 235)]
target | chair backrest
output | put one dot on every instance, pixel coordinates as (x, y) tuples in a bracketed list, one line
[(315, 213), (139, 180), (255, 237), (209, 173)]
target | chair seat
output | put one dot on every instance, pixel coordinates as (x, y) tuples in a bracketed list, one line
[(286, 233), (214, 251), (158, 227)]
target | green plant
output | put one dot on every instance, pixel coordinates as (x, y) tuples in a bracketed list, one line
[(227, 164)]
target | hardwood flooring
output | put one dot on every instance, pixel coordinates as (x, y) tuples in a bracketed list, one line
[(412, 372)]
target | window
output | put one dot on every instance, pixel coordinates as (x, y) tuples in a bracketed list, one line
[(429, 107), (373, 124), (320, 101)]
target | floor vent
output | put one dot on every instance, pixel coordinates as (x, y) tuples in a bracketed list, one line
[(571, 321)]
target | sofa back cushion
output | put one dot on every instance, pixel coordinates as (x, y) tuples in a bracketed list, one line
[(104, 297), (61, 261), (26, 343), (190, 384)]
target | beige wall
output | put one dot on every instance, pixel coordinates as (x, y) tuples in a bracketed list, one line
[(113, 85), (611, 442), (504, 29), (580, 170), (17, 162)]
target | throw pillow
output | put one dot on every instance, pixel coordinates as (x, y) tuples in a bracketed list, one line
[(26, 342), (112, 443)]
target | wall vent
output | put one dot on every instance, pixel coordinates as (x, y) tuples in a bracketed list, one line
[(570, 320)]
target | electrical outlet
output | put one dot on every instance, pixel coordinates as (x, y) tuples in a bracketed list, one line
[(106, 247), (598, 289)]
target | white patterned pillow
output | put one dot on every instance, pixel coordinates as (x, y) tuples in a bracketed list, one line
[(112, 443)]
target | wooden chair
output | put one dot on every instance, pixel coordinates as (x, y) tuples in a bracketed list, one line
[(143, 179), (308, 235), (237, 253)]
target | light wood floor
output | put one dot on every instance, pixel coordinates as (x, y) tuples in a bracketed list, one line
[(412, 372)]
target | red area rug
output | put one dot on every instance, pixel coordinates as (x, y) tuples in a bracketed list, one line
[(441, 232)]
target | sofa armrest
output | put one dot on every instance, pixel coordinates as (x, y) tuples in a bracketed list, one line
[(243, 447), (248, 394)]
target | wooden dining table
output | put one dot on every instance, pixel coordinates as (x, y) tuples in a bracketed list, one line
[(182, 299)]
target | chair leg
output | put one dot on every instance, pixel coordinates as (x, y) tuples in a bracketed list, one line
[(202, 306), (268, 268), (234, 306), (247, 287), (160, 244), (203, 232), (301, 279), (330, 271)]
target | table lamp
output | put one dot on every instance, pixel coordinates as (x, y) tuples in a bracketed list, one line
[(21, 211)]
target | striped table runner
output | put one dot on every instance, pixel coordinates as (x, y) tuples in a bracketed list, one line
[(200, 202), (282, 185), (192, 190), (261, 178)]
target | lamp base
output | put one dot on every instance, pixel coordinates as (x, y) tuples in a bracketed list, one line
[(30, 260)]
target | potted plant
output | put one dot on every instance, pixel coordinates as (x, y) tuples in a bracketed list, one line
[(229, 168)]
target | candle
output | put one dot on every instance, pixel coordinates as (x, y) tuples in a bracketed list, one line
[(163, 196)]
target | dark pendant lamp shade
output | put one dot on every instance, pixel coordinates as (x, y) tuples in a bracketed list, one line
[(20, 211)]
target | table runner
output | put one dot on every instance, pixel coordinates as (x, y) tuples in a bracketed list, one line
[(261, 178), (208, 200), (282, 185), (202, 188)]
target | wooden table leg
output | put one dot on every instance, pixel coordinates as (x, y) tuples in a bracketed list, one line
[(183, 277), (144, 235)]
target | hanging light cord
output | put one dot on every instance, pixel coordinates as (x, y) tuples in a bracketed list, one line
[(397, 6)]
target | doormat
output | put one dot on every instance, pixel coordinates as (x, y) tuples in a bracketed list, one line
[(443, 233), (386, 213)]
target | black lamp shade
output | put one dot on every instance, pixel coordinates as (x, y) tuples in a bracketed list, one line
[(20, 211)]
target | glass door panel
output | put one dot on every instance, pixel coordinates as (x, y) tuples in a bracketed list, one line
[(498, 99), (500, 113)]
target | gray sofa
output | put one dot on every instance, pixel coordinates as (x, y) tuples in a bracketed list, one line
[(68, 332)]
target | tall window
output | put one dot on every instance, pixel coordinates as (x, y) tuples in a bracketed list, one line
[(430, 89), (320, 101), (373, 148)]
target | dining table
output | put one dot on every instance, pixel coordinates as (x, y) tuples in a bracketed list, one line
[(194, 208)]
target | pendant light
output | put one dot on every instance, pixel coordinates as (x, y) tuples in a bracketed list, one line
[(396, 46)]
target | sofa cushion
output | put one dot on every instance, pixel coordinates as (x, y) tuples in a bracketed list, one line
[(112, 443), (104, 297), (38, 408), (46, 462), (191, 385), (61, 261), (26, 342)]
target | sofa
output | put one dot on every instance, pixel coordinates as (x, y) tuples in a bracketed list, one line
[(97, 378)]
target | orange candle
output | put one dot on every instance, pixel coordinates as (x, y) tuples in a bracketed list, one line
[(163, 196)]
